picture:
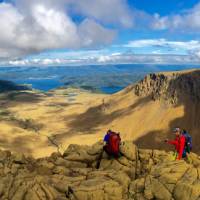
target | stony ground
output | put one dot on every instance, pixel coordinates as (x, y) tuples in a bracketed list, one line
[(86, 173)]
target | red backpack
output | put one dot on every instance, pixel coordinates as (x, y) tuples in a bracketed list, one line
[(112, 147)]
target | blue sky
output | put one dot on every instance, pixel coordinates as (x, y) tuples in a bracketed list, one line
[(163, 7), (81, 32)]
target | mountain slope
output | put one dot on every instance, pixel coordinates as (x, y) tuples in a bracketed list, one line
[(147, 111)]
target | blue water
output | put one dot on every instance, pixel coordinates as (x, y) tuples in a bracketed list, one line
[(111, 90), (41, 84), (107, 78), (49, 84)]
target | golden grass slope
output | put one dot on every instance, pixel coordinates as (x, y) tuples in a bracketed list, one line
[(38, 124), (30, 120)]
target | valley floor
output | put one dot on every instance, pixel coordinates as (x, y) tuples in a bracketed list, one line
[(36, 123)]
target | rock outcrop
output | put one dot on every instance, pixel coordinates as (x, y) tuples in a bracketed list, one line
[(87, 173), (174, 87)]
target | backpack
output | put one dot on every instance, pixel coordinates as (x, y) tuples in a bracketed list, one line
[(112, 147), (188, 141)]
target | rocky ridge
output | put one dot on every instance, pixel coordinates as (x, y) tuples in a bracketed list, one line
[(173, 87), (87, 173)]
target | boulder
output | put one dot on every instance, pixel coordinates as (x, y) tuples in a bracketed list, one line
[(4, 155), (84, 154), (98, 188), (129, 150), (19, 158)]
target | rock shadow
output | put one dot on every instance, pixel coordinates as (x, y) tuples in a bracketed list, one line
[(94, 117), (19, 97)]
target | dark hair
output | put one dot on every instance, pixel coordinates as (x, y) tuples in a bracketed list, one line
[(184, 131)]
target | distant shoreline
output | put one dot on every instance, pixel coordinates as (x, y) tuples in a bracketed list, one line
[(106, 79)]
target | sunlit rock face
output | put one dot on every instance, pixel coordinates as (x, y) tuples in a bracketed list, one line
[(87, 173)]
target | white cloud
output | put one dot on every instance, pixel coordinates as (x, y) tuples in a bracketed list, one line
[(187, 20), (46, 29), (111, 11), (95, 9), (160, 23), (92, 33), (113, 59), (197, 54), (182, 52), (149, 59), (35, 26), (186, 45), (19, 62)]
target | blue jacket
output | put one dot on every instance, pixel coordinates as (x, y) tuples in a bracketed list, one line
[(106, 138)]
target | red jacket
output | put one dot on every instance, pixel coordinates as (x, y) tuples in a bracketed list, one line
[(179, 144)]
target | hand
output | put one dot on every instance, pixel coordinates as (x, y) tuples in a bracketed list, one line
[(166, 140)]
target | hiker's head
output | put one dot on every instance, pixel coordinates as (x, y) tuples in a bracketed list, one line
[(109, 131), (184, 131), (177, 131)]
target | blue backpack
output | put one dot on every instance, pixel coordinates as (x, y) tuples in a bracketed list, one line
[(188, 140)]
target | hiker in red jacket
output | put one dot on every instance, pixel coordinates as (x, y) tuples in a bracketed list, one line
[(179, 143)]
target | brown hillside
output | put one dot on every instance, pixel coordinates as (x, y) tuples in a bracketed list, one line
[(147, 111), (157, 104)]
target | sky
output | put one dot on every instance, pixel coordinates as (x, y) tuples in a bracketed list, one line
[(89, 32)]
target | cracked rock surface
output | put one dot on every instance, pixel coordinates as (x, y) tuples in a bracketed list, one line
[(87, 173)]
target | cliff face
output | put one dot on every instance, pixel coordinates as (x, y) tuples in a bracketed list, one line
[(154, 85), (173, 87), (86, 173)]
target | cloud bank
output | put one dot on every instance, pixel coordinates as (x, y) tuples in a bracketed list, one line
[(115, 58), (186, 45), (162, 52), (186, 21), (29, 27)]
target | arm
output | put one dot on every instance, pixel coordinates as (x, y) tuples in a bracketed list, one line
[(106, 138), (181, 148), (173, 142)]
